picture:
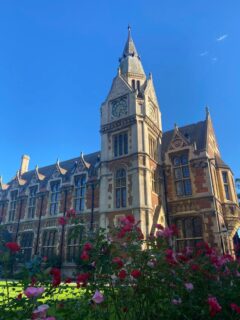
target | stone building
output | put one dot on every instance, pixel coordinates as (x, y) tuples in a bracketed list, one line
[(169, 177)]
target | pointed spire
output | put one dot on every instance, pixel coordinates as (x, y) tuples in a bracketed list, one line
[(175, 127), (130, 60), (207, 112)]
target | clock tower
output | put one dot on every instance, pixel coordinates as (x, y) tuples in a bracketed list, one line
[(131, 133)]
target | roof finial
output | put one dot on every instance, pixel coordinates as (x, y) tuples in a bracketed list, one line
[(207, 111), (175, 126), (1, 179), (129, 31)]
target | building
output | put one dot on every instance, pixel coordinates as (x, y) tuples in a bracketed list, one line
[(173, 177)]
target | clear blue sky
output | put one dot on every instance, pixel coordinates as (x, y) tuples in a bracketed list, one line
[(58, 58)]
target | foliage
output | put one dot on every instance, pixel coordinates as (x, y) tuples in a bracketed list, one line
[(123, 276)]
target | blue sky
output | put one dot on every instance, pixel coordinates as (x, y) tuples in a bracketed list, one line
[(58, 58)]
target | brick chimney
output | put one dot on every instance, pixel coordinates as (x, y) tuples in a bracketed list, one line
[(24, 164)]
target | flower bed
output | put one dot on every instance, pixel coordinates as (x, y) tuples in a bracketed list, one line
[(123, 276)]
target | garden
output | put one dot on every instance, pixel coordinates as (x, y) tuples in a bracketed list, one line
[(121, 275)]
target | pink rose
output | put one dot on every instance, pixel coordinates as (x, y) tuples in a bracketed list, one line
[(31, 292), (98, 297)]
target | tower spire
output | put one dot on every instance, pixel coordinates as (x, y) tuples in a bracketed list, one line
[(130, 62)]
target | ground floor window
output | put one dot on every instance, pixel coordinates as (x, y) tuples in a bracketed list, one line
[(26, 242), (74, 239), (190, 231), (49, 243)]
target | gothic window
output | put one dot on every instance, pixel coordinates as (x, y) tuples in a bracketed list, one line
[(152, 148), (49, 243), (182, 175), (73, 244), (54, 197), (138, 85), (80, 191), (120, 188), (189, 232), (155, 181), (226, 185), (32, 201), (120, 144), (26, 243), (13, 205)]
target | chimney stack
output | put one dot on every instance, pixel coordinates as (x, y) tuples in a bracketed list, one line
[(24, 164)]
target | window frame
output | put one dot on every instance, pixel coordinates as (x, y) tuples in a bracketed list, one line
[(120, 143), (55, 197), (81, 197), (120, 189), (226, 186), (73, 245), (26, 245), (153, 147), (13, 205), (49, 244), (32, 201), (182, 175)]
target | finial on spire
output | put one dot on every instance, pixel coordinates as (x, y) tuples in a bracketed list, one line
[(129, 31), (58, 162), (207, 110), (175, 126)]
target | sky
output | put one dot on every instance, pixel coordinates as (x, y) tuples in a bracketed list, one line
[(58, 59)]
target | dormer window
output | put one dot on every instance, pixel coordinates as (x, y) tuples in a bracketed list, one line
[(54, 197), (13, 205), (182, 175)]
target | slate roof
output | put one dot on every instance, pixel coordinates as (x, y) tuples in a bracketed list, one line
[(193, 133), (67, 165)]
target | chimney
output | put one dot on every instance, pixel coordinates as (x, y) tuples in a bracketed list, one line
[(24, 164)]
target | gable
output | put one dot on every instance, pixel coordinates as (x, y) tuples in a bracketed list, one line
[(119, 88)]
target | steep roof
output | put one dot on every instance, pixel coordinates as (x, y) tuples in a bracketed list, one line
[(130, 61), (194, 133)]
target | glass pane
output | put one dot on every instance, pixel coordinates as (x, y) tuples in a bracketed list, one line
[(179, 188), (178, 173), (124, 197), (227, 192), (188, 228), (184, 159), (125, 143), (224, 175), (185, 171), (118, 198), (176, 161), (187, 187), (120, 144), (197, 226)]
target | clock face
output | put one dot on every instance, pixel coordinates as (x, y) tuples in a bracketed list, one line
[(152, 113), (119, 107)]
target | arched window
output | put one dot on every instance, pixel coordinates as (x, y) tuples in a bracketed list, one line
[(120, 188), (189, 232), (26, 243)]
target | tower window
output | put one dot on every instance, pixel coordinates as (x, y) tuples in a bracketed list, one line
[(32, 201), (182, 175), (153, 148), (189, 232), (120, 142), (226, 185), (13, 205), (120, 188), (80, 190), (133, 84), (55, 197), (138, 85)]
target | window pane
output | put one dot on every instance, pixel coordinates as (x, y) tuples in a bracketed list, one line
[(197, 226), (187, 187), (118, 198), (176, 161), (125, 143), (227, 192), (224, 175), (185, 171), (184, 159), (179, 188), (188, 226), (178, 173), (123, 197)]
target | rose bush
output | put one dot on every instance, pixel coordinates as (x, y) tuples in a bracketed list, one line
[(123, 276)]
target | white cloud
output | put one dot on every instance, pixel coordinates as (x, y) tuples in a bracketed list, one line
[(215, 59), (222, 37), (205, 53)]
